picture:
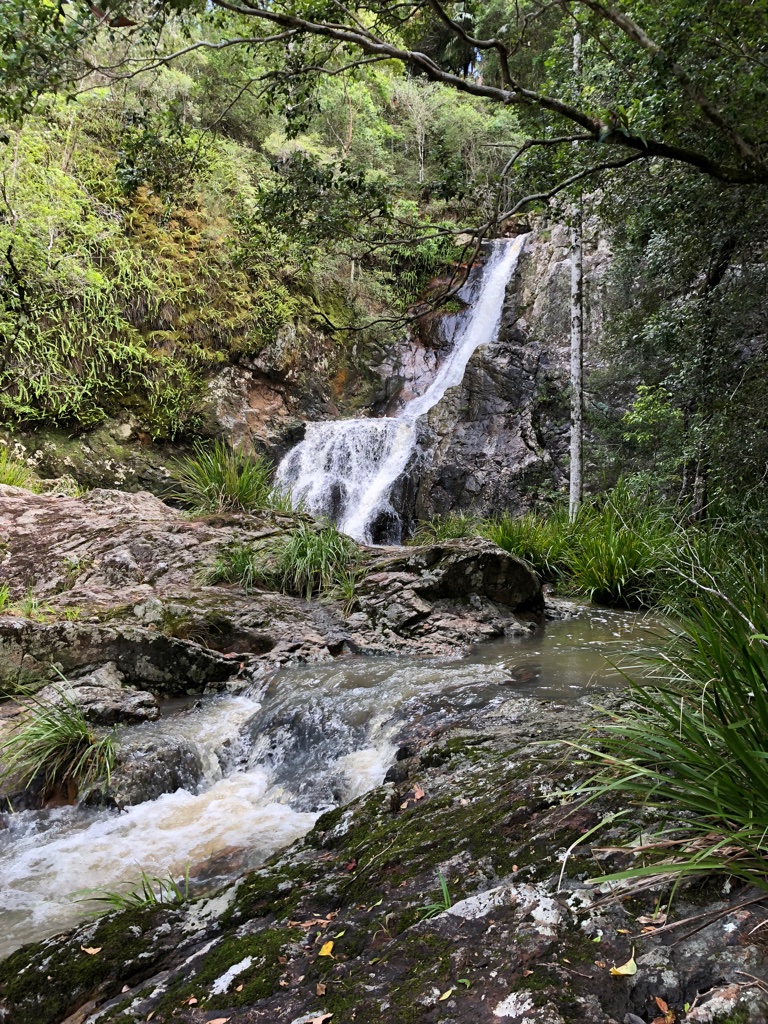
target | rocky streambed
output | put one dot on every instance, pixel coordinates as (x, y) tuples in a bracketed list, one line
[(319, 796)]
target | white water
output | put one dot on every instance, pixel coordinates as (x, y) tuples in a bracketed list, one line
[(347, 469), (319, 735)]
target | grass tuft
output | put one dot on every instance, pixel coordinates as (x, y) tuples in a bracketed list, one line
[(314, 560), (691, 745), (217, 478), (451, 526), (54, 741), (13, 472), (152, 891)]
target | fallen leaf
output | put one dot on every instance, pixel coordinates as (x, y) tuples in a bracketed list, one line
[(192, 1001), (91, 950), (125, 988), (600, 963), (283, 983), (239, 988), (630, 967), (339, 934), (657, 919), (446, 995), (320, 988), (151, 1016), (376, 904), (320, 1019), (316, 922), (527, 974), (326, 949), (351, 865), (220, 1020), (419, 794), (662, 1005), (515, 867)]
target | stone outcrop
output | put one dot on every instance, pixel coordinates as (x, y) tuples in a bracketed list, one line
[(118, 578), (350, 924)]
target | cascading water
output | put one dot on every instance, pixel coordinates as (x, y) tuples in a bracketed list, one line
[(346, 469)]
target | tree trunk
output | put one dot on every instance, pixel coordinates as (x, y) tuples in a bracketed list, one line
[(577, 334), (577, 367)]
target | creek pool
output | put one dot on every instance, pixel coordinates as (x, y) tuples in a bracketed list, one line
[(312, 737)]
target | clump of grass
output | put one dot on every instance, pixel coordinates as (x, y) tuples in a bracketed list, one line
[(30, 607), (13, 471), (691, 746), (54, 741), (237, 563), (441, 905), (5, 597), (618, 547), (152, 891), (217, 478), (451, 526), (313, 560), (543, 541)]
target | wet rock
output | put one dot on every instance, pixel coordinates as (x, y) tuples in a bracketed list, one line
[(118, 578), (104, 699), (145, 768), (522, 939)]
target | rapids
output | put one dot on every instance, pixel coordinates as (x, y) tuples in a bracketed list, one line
[(313, 737)]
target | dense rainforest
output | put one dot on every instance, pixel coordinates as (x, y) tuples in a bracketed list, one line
[(339, 338)]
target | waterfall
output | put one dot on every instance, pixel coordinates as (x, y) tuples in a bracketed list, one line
[(346, 469)]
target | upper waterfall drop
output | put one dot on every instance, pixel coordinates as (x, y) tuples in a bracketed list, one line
[(346, 469)]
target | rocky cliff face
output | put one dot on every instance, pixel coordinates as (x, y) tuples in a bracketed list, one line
[(500, 439)]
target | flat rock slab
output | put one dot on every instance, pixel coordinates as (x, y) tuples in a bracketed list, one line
[(119, 577)]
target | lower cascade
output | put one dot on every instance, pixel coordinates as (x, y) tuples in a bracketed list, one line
[(346, 469)]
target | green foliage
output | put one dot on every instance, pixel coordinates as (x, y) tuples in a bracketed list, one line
[(451, 526), (313, 560), (13, 471), (438, 906), (543, 541), (218, 478), (238, 563), (5, 597), (691, 746), (54, 742), (152, 891)]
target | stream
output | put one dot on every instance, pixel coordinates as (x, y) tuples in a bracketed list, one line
[(313, 737)]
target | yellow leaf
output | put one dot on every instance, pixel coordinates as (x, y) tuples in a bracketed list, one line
[(630, 967), (91, 950), (446, 995), (326, 949)]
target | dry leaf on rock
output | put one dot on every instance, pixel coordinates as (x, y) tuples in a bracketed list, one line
[(320, 988), (629, 968), (326, 949), (320, 1019), (418, 792), (91, 950), (220, 1020), (446, 995)]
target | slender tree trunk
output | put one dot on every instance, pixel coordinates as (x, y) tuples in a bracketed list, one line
[(577, 367), (576, 485)]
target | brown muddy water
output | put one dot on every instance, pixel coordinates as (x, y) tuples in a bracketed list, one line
[(274, 759)]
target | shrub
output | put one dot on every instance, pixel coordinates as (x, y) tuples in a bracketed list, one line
[(692, 743), (54, 741), (313, 560), (218, 478), (451, 526), (13, 472)]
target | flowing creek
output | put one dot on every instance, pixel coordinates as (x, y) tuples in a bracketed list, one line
[(313, 737)]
